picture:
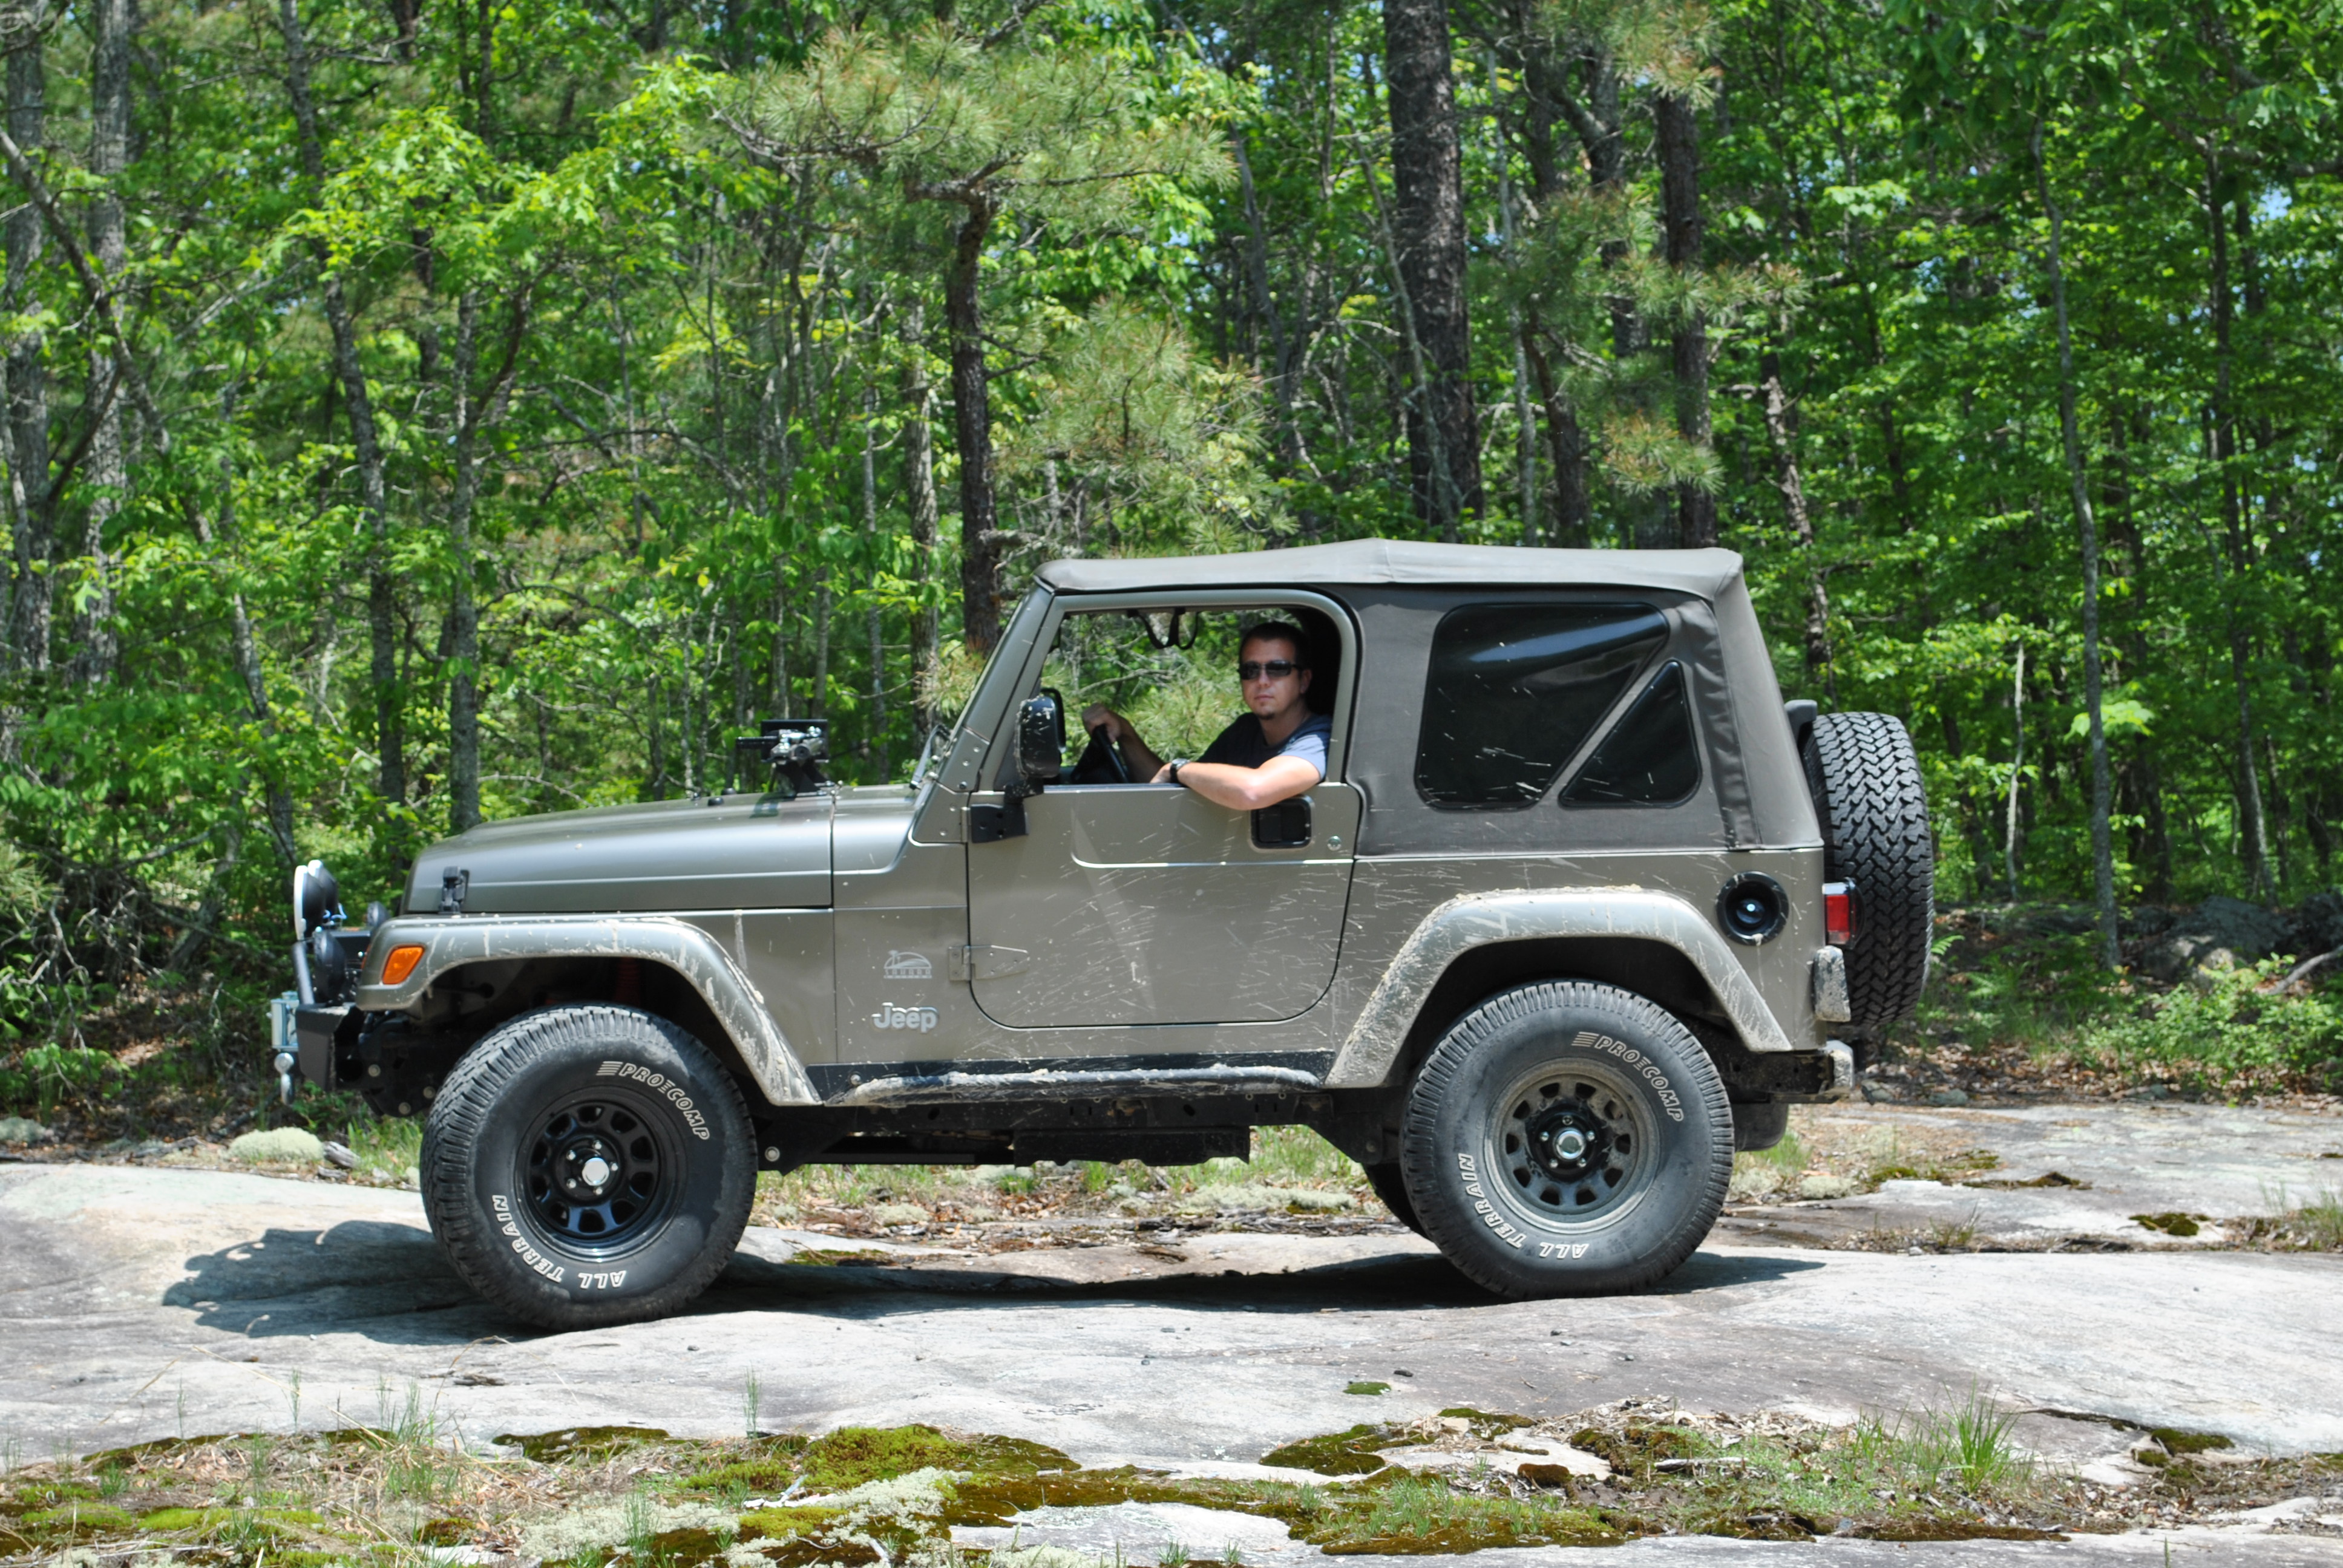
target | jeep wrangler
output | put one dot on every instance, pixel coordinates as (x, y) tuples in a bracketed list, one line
[(1579, 908)]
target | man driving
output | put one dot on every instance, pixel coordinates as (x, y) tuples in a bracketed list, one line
[(1272, 753)]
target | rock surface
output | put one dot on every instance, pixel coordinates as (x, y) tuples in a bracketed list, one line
[(127, 1291), (2218, 933)]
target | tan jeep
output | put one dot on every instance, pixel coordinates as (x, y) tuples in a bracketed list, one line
[(1578, 907)]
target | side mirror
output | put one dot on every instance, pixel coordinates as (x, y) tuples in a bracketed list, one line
[(1040, 754), (1041, 740)]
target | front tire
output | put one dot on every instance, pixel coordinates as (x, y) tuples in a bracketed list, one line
[(589, 1165), (1391, 1188), (1567, 1138)]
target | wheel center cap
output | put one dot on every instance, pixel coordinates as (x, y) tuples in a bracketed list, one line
[(595, 1172), (1566, 1144)]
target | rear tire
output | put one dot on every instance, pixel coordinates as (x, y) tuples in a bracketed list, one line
[(1867, 790), (1567, 1139), (589, 1165)]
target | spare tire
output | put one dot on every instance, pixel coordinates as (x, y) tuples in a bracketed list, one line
[(1866, 786)]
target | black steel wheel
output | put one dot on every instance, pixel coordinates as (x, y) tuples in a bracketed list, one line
[(1567, 1138), (589, 1165), (595, 1171)]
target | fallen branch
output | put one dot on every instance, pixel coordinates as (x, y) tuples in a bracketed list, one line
[(2300, 973)]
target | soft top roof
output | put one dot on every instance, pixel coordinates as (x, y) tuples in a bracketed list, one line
[(1705, 573)]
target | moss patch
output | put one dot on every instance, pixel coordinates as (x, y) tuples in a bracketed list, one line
[(2171, 1224), (629, 1497), (2179, 1439), (1352, 1453), (581, 1442), (854, 1455)]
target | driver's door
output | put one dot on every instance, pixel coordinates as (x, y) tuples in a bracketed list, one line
[(1148, 904)]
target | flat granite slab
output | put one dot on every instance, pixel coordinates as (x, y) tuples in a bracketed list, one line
[(138, 1303)]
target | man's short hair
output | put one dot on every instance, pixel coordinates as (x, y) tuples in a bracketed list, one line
[(1279, 631)]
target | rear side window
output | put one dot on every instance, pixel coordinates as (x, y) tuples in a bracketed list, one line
[(1515, 689), (1650, 759)]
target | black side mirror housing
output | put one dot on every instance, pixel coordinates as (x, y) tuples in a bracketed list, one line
[(1041, 757), (1040, 740)]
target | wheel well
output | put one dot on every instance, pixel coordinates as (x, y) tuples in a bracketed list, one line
[(1651, 970), (471, 1000)]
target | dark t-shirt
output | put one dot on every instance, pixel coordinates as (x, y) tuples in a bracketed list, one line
[(1243, 745)]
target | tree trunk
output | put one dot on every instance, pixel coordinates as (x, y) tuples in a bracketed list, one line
[(28, 386), (1428, 236), (390, 738), (2154, 854), (463, 610), (475, 414), (2253, 834), (2016, 767), (2102, 856), (820, 706), (1573, 508), (980, 534), (1280, 365), (243, 646), (108, 469), (1679, 139), (784, 704), (875, 729), (1524, 417), (1782, 429), (920, 483)]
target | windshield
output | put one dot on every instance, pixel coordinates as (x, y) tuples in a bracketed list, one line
[(959, 677)]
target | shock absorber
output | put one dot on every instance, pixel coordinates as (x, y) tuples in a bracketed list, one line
[(628, 991)]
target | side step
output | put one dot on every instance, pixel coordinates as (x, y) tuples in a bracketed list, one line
[(964, 1088)]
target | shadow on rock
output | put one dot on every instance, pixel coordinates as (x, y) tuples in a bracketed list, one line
[(1707, 1270), (351, 1277), (753, 1282)]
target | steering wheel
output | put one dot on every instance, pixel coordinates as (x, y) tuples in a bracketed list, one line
[(1100, 762)]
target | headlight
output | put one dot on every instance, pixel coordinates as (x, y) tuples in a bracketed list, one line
[(316, 898)]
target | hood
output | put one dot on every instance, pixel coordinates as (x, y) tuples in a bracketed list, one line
[(741, 852)]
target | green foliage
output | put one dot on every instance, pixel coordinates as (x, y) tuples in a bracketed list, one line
[(2222, 1027), (649, 314)]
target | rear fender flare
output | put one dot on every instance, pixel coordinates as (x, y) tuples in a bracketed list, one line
[(692, 954), (1478, 919)]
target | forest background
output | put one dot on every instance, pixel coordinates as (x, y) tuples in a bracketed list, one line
[(419, 412)]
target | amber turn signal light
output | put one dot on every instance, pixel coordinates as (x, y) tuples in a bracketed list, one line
[(401, 963), (1838, 913)]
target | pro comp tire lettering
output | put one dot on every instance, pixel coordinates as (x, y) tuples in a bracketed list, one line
[(660, 1083), (1670, 1102)]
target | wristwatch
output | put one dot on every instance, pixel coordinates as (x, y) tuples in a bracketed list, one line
[(1177, 763)]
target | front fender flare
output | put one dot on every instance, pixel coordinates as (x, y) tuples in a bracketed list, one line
[(686, 950), (1479, 920)]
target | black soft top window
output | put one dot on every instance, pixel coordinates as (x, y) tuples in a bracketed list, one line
[(1515, 690), (1650, 758)]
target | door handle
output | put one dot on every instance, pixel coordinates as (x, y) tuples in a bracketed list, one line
[(1284, 826)]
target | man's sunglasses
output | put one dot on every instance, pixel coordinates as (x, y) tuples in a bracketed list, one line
[(1276, 670)]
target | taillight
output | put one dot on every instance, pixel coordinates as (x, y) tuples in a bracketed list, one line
[(400, 964), (1838, 913)]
